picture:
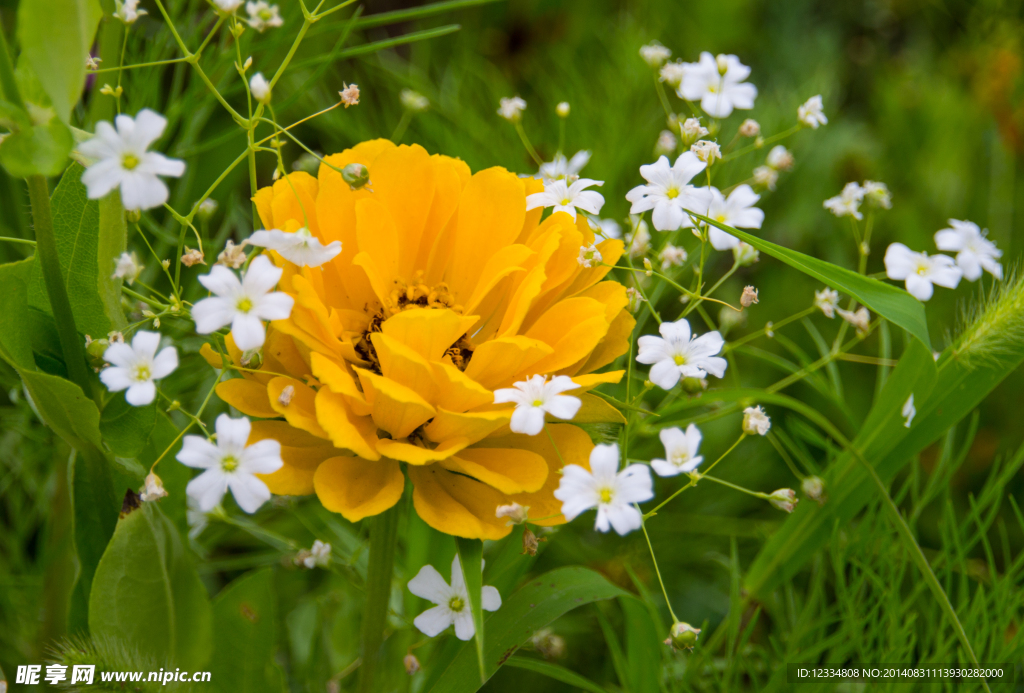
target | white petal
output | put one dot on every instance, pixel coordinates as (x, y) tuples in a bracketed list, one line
[(262, 457), (221, 281), (275, 306), (249, 491), (232, 434), (435, 621), (563, 406), (247, 330), (261, 277), (464, 628), (528, 420), (624, 518), (211, 314), (141, 394), (116, 378), (142, 191), (198, 452), (165, 362), (147, 128), (919, 287), (159, 165), (102, 177), (665, 468), (665, 374), (604, 462), (490, 599), (428, 584), (208, 489)]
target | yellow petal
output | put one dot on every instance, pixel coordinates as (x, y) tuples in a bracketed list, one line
[(211, 356), (358, 488), (295, 199), (414, 454), (264, 199), (345, 429), (594, 410), (403, 364), (457, 505), (473, 426), (396, 408), (496, 363), (378, 238), (247, 397), (285, 434), (290, 480), (428, 332), (508, 470), (447, 190), (506, 261), (572, 328), (333, 376), (456, 391), (403, 178), (614, 344), (300, 452), (300, 408)]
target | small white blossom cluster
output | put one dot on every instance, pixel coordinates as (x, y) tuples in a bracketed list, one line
[(847, 203)]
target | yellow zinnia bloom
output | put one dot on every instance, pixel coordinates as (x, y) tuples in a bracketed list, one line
[(446, 289)]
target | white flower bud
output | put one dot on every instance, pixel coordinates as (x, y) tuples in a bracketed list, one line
[(654, 54), (154, 489), (683, 636), (750, 128), (562, 109), (672, 74), (784, 499), (749, 296), (826, 300), (755, 421), (745, 254), (589, 256), (779, 158), (766, 176), (707, 151), (413, 101), (511, 109), (814, 487), (515, 513)]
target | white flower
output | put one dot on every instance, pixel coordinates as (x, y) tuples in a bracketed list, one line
[(975, 251), (301, 248), (877, 194), (668, 191), (128, 268), (784, 499), (680, 451), (230, 464), (654, 54), (153, 490), (846, 203), (122, 160), (750, 128), (671, 256), (755, 421), (810, 113), (766, 176), (920, 271), (860, 319), (718, 84), (609, 228), (413, 101), (672, 73), (589, 256), (562, 109), (242, 304), (707, 151), (666, 143), (605, 488), (263, 15), (318, 555), (737, 210), (677, 353), (534, 397), (826, 300), (196, 518), (260, 88), (908, 412), (128, 11), (452, 601), (511, 109), (567, 198), (135, 367), (779, 158), (692, 129), (227, 6), (515, 513), (560, 167)]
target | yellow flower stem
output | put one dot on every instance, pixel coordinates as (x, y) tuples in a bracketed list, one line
[(657, 572), (694, 479), (383, 542)]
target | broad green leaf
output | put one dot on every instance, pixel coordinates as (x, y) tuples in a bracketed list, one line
[(146, 591), (38, 150), (96, 505), (86, 258), (65, 408), (533, 606), (553, 671), (13, 117), (15, 339), (892, 303), (112, 241), (643, 647), (508, 563), (245, 636), (127, 429), (55, 38), (471, 558)]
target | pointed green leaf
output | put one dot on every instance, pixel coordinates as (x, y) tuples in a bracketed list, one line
[(55, 38), (146, 591), (892, 303), (471, 558), (643, 647), (553, 671), (533, 606), (37, 150), (15, 339)]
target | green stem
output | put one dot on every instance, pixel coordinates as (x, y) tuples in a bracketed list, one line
[(49, 261), (403, 124), (383, 542), (657, 572)]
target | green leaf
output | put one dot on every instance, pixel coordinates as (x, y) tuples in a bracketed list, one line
[(112, 241), (38, 150), (553, 671), (86, 257), (643, 647), (95, 504), (13, 117), (127, 429), (245, 629), (15, 338), (535, 605), (55, 38), (507, 564), (892, 303), (471, 558), (146, 592)]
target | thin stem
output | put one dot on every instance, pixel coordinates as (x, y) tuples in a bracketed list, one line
[(723, 482), (49, 261), (657, 572), (775, 326), (403, 124), (383, 542), (554, 445), (8, 239), (695, 478), (526, 143), (662, 97), (766, 141), (155, 63)]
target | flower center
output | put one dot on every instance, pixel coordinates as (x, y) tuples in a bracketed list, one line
[(720, 217), (680, 458), (142, 373), (606, 495), (129, 161), (922, 269), (456, 604), (229, 463), (538, 402), (566, 201), (672, 193), (266, 15), (244, 305), (679, 359)]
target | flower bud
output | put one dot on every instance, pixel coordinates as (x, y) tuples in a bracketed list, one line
[(635, 299), (412, 665), (692, 130), (683, 636), (672, 74), (232, 256), (133, 216), (549, 645), (766, 176), (750, 128), (192, 256), (413, 101), (779, 158), (707, 151), (749, 296), (666, 143), (247, 64), (207, 208), (237, 29), (814, 487), (826, 301), (515, 513), (745, 254), (356, 175), (654, 54), (562, 109), (755, 421), (349, 95), (784, 499), (253, 358), (648, 267), (260, 88), (694, 386), (154, 488), (94, 349), (531, 542)]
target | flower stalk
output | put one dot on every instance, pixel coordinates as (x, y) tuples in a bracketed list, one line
[(383, 542)]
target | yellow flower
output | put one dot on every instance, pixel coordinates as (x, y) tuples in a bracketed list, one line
[(446, 289)]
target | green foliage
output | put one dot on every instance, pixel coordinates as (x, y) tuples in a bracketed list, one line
[(245, 636), (37, 150), (471, 560), (15, 342), (146, 591)]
